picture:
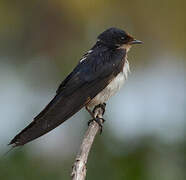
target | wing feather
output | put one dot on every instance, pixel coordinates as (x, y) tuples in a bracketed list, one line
[(84, 83)]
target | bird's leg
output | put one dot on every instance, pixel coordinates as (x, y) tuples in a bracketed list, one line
[(95, 116), (90, 112)]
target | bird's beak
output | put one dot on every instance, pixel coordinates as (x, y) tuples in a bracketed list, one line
[(135, 41)]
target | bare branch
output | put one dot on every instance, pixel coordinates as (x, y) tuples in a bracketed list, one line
[(79, 167)]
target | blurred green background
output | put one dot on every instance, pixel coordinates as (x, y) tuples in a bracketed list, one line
[(144, 135)]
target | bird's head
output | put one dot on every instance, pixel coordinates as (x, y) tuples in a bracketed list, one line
[(118, 38)]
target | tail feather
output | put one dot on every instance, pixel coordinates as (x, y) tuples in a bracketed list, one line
[(55, 113)]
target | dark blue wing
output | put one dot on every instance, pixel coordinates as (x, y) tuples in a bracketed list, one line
[(88, 78)]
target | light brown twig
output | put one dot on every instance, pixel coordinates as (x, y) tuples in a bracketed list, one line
[(79, 168)]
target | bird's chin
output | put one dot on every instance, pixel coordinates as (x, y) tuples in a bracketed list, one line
[(125, 47)]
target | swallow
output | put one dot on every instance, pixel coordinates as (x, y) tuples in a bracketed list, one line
[(100, 73)]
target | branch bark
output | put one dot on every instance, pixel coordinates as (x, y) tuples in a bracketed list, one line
[(79, 168)]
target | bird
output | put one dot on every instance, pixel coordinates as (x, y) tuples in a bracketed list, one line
[(98, 75)]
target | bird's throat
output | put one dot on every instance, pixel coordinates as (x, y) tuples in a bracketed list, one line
[(126, 47)]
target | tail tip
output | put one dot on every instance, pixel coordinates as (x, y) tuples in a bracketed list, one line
[(14, 143)]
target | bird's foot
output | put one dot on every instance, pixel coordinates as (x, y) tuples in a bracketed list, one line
[(99, 121), (97, 111), (102, 106)]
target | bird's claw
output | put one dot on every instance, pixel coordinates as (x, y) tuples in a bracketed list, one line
[(102, 106), (100, 122)]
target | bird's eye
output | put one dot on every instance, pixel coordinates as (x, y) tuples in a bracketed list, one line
[(122, 38)]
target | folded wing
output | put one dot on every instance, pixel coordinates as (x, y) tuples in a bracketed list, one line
[(84, 83)]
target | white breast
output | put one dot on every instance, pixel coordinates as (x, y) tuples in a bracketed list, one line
[(112, 87)]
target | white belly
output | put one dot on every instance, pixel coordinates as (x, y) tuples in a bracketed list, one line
[(111, 88)]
